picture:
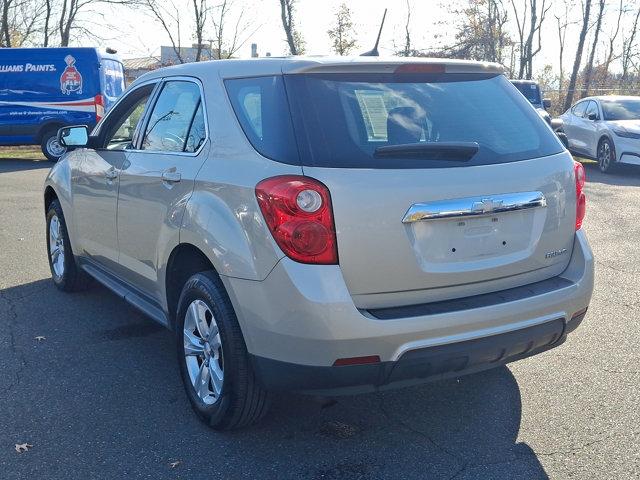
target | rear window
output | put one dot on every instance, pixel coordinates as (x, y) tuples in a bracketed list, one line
[(341, 119), (113, 79)]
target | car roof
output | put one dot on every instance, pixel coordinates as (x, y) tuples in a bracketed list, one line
[(236, 68), (611, 97)]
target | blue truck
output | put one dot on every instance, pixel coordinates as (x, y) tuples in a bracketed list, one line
[(43, 89)]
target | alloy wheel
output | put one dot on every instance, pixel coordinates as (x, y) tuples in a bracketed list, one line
[(203, 352), (56, 246), (604, 156)]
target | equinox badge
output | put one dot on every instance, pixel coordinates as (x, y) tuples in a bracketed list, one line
[(555, 253)]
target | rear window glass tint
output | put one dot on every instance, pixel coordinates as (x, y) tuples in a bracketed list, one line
[(260, 104), (341, 119)]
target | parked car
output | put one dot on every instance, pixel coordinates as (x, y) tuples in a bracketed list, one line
[(326, 226), (532, 92), (43, 89), (606, 129)]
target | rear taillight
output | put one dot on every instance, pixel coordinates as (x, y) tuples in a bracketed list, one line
[(298, 213), (99, 103), (581, 204)]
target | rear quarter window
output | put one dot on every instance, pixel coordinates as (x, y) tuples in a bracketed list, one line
[(261, 106)]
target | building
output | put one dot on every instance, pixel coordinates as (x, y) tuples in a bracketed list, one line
[(134, 67)]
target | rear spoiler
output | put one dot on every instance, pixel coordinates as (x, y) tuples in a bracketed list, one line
[(395, 65)]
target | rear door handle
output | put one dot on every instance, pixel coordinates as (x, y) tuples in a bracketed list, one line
[(171, 176)]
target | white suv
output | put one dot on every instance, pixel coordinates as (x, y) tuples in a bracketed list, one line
[(606, 129), (326, 225)]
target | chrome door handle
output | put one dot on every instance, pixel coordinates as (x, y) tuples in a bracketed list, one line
[(171, 176), (474, 206), (111, 174)]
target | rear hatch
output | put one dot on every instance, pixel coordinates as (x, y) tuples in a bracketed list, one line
[(444, 185)]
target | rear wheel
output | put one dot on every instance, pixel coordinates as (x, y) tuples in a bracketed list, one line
[(606, 155), (51, 146), (64, 270), (213, 358)]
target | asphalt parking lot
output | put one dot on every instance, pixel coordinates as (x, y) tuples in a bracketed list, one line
[(100, 395)]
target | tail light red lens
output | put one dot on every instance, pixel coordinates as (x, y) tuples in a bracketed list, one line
[(298, 212), (581, 201), (99, 103)]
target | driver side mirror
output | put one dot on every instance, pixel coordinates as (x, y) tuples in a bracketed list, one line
[(546, 103), (76, 136), (592, 116)]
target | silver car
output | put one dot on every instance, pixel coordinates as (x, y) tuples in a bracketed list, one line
[(606, 129), (326, 226)]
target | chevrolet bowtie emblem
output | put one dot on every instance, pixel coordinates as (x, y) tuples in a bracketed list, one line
[(486, 205)]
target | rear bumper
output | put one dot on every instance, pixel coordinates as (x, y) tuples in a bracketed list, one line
[(416, 366), (301, 318)]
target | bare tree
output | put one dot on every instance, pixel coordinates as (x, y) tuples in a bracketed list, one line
[(20, 22), (70, 15), (168, 16), (226, 45), (407, 32), (586, 13), (529, 25), (588, 71), (612, 38), (629, 50), (294, 38), (47, 20), (481, 34), (6, 27), (200, 10), (342, 34), (562, 24)]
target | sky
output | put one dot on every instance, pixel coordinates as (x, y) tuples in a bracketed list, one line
[(433, 22)]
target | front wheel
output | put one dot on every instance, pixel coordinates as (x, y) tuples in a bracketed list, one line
[(606, 156), (51, 147), (213, 358)]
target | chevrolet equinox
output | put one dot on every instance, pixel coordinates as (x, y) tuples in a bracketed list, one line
[(326, 226)]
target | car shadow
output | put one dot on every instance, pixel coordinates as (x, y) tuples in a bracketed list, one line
[(102, 390), (22, 164)]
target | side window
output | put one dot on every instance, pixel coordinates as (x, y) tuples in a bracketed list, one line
[(197, 132), (121, 125), (172, 117), (579, 108), (592, 108)]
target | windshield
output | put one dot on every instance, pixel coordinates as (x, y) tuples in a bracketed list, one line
[(621, 109), (530, 91), (346, 120)]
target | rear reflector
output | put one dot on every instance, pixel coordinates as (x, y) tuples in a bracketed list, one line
[(579, 313), (420, 68), (341, 362)]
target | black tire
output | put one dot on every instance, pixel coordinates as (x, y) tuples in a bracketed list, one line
[(242, 401), (71, 278), (45, 144), (605, 147)]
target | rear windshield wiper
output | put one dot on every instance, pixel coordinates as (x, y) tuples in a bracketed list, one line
[(447, 151)]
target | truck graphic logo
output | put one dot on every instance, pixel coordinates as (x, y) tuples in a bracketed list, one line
[(71, 80)]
